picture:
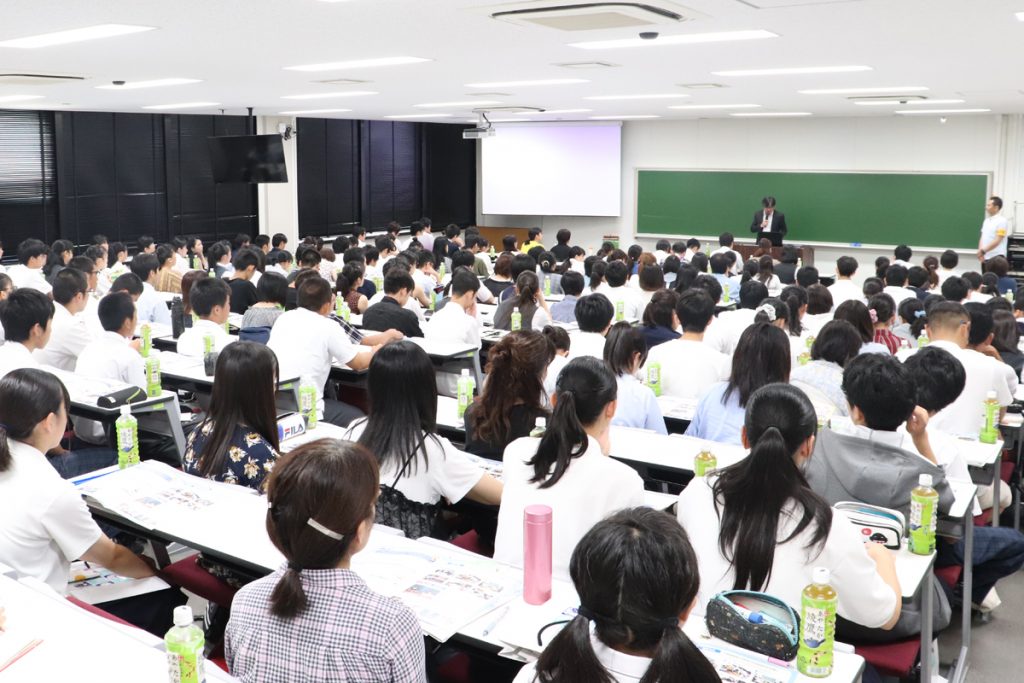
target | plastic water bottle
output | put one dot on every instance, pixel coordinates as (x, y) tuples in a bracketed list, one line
[(153, 387), (147, 340), (207, 344), (725, 293), (923, 503), (517, 319), (433, 300), (378, 282), (127, 428), (810, 341), (547, 286), (923, 340), (704, 462), (464, 391), (654, 377), (213, 272), (817, 626), (307, 402), (620, 311), (990, 429), (441, 272), (540, 425), (346, 312), (184, 644), (537, 521), (339, 302)]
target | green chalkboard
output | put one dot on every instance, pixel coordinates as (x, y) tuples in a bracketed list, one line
[(919, 209)]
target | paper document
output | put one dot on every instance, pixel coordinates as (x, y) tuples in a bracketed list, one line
[(94, 584)]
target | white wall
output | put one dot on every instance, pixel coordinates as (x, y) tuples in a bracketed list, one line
[(279, 202), (988, 144)]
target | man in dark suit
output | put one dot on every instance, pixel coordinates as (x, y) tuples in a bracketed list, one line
[(769, 223), (390, 312)]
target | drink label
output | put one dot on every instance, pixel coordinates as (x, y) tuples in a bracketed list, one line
[(620, 311), (126, 439), (922, 524), (704, 463), (817, 637)]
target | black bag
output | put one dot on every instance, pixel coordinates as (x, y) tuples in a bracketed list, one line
[(414, 518), (755, 621), (121, 397)]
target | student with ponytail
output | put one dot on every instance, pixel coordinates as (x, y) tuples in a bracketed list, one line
[(636, 576), (568, 468), (314, 618), (625, 352), (529, 299), (347, 285), (757, 525)]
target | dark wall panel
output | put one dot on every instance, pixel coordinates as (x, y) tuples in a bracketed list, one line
[(328, 153), (28, 178), (449, 194)]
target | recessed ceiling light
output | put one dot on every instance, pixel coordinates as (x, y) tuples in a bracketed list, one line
[(702, 86), (156, 83), (910, 112), (895, 101), (679, 39), (1020, 16), (183, 105), (424, 115), (20, 98), (793, 71), (358, 64), (662, 96), (625, 116), (554, 111), (524, 84), (75, 35), (694, 107), (752, 114), (863, 91), (328, 95), (587, 65), (470, 103), (313, 111)]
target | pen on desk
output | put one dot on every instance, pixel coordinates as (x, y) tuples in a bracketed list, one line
[(497, 619), (21, 653)]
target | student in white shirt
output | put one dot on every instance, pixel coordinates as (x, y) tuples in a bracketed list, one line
[(44, 523), (568, 468), (151, 307), (979, 339), (724, 333), (26, 316), (632, 632), (528, 298), (307, 342), (626, 301), (662, 249), (757, 525), (424, 274), (28, 273), (210, 299), (179, 245), (69, 332), (725, 242), (844, 288), (401, 430), (896, 284), (819, 309), (457, 321), (625, 352), (992, 241), (948, 262), (902, 255), (594, 314), (689, 367), (976, 287)]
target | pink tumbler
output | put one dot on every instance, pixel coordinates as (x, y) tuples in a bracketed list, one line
[(537, 554)]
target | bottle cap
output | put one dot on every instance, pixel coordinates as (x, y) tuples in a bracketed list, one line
[(540, 422), (991, 395), (465, 372), (537, 514), (821, 575), (126, 410), (515, 308), (925, 480), (183, 615)]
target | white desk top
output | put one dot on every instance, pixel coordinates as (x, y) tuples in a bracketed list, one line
[(174, 364), (978, 454), (911, 570), (86, 391), (963, 494), (678, 408), (443, 349), (323, 430), (672, 451)]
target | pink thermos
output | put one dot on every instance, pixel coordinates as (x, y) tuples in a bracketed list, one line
[(537, 554)]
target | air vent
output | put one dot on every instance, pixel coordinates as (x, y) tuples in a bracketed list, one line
[(36, 79), (595, 16), (587, 65), (343, 81)]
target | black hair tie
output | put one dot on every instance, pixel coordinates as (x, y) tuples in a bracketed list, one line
[(294, 567), (658, 625)]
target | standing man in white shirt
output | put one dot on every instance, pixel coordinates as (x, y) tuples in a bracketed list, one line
[(28, 273), (151, 307), (27, 317), (844, 288), (210, 299), (993, 231), (69, 332)]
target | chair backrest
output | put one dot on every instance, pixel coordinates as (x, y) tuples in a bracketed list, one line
[(260, 335)]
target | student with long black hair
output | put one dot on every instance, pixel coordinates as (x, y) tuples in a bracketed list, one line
[(402, 428), (314, 618), (625, 352), (757, 525), (636, 576), (761, 357), (567, 468), (529, 299)]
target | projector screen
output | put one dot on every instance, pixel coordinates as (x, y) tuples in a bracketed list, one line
[(551, 169)]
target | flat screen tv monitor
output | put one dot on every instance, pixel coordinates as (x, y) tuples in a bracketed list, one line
[(248, 159)]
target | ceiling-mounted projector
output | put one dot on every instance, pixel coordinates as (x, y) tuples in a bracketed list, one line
[(478, 133)]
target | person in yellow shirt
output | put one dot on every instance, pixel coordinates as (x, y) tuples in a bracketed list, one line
[(534, 236)]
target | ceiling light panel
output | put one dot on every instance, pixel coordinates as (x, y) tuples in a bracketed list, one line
[(911, 112), (470, 103), (699, 107), (555, 111), (314, 111), (678, 39), (156, 83), (424, 115), (794, 71), (661, 96), (358, 64), (864, 91), (767, 114), (526, 84), (75, 35), (329, 95), (19, 98), (183, 105), (624, 116)]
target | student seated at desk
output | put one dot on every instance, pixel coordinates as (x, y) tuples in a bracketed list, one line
[(501, 278), (152, 308), (128, 283), (168, 278), (660, 321), (836, 345), (314, 619), (564, 311), (390, 312), (594, 314), (560, 339), (243, 291), (28, 272), (465, 259), (273, 296), (44, 523), (568, 468), (689, 367), (237, 441), (457, 321), (220, 259), (5, 291), (209, 299), (26, 316), (1006, 340), (757, 525), (70, 333), (347, 286), (513, 395), (980, 336), (521, 263), (401, 430), (724, 333), (636, 576), (857, 314), (625, 300), (625, 352), (762, 357), (529, 300), (883, 315)]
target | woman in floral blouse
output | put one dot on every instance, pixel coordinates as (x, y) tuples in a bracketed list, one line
[(237, 442)]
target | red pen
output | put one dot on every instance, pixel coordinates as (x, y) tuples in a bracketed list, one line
[(21, 653)]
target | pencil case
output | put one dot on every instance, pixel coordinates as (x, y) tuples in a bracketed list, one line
[(754, 621), (121, 397), (876, 524)]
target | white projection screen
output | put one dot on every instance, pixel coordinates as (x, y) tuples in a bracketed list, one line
[(553, 169)]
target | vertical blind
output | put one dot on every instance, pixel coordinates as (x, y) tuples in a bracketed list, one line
[(28, 201)]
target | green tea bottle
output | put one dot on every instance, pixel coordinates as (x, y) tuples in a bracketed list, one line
[(153, 386), (307, 402), (127, 428), (990, 429), (184, 644), (924, 503), (147, 340), (817, 626), (704, 462), (654, 377), (517, 320)]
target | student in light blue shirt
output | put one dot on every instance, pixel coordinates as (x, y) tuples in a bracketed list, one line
[(625, 351), (564, 311), (720, 271), (762, 357)]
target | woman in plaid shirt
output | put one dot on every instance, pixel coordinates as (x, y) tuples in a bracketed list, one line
[(314, 619)]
